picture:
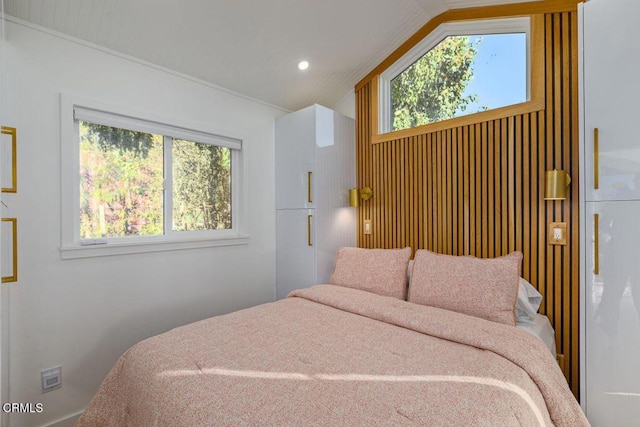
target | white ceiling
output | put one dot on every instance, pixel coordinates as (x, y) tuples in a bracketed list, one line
[(249, 46)]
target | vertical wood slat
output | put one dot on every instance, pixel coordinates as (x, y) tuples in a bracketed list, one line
[(498, 187), (557, 163), (574, 304), (504, 189), (478, 189), (472, 230), (511, 165), (519, 213), (550, 67), (485, 190), (466, 190), (490, 191), (460, 191), (535, 196), (526, 196), (542, 217)]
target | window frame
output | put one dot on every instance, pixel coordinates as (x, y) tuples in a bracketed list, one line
[(72, 246), (523, 24)]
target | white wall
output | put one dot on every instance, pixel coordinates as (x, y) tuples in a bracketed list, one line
[(3, 309), (347, 105), (84, 313)]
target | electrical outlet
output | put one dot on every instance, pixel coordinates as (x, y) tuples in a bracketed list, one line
[(51, 378), (558, 233)]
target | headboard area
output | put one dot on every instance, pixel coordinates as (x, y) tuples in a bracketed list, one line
[(477, 189)]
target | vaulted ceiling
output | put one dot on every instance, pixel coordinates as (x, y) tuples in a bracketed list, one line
[(248, 46)]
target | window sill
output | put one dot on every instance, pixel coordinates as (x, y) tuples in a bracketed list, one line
[(75, 250), (498, 113)]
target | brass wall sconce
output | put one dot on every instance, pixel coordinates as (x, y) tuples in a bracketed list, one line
[(557, 182), (355, 195)]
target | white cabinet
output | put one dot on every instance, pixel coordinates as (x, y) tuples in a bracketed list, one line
[(296, 253), (315, 167), (612, 314), (611, 90), (298, 135), (610, 211)]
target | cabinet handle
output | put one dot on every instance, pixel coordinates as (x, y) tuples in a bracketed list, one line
[(596, 160), (309, 175), (596, 246), (309, 217)]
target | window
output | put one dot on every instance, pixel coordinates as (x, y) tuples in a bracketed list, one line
[(122, 179), (459, 69), (146, 185)]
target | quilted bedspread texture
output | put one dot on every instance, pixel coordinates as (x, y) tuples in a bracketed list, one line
[(330, 355)]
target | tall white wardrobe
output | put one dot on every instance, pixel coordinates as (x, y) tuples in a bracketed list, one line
[(610, 179), (315, 167)]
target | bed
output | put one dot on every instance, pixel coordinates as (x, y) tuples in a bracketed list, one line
[(339, 354), (541, 328)]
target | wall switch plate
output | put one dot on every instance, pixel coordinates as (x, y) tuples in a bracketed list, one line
[(367, 226), (51, 378), (558, 233)]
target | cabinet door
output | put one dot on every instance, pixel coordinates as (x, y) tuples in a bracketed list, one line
[(295, 160), (612, 303), (295, 250), (336, 165), (611, 92)]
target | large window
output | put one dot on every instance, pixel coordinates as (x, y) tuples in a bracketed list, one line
[(459, 69), (124, 190), (143, 182)]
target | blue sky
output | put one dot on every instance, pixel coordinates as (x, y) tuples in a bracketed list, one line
[(499, 71)]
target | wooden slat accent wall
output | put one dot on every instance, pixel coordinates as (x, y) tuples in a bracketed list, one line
[(478, 189)]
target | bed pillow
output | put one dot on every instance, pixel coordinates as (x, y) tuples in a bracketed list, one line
[(380, 271), (481, 287), (528, 303)]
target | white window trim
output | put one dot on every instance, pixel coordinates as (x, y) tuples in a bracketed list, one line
[(479, 27), (72, 246)]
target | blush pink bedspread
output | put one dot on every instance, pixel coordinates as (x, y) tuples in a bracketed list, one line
[(329, 355)]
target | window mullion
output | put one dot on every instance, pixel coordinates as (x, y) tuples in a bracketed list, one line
[(168, 185)]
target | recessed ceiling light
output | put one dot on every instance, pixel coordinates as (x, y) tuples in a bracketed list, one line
[(303, 65)]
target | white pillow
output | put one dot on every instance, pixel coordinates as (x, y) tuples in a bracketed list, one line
[(409, 270), (528, 302)]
